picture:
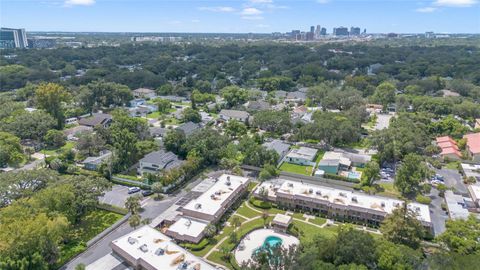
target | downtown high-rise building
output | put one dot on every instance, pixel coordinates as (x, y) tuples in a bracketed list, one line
[(354, 31), (13, 38), (340, 31), (318, 31)]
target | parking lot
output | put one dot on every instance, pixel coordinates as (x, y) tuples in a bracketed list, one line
[(117, 196)]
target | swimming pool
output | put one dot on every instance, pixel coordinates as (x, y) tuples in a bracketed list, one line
[(269, 243)]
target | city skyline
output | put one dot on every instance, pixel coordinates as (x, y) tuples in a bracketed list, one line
[(255, 16)]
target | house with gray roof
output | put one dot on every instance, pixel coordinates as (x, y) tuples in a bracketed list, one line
[(296, 96), (93, 163), (257, 105), (189, 128), (278, 146), (241, 116), (102, 119), (144, 93), (157, 132), (302, 156), (158, 161)]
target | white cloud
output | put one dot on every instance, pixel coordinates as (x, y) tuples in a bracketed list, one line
[(426, 9), (70, 3), (252, 17), (251, 11), (455, 3), (217, 9)]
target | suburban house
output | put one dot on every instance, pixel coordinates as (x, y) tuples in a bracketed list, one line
[(157, 132), (208, 208), (471, 170), (299, 111), (337, 203), (302, 156), (102, 119), (473, 145), (296, 97), (449, 148), (474, 191), (158, 161), (335, 162), (141, 110), (144, 93), (93, 163), (137, 102), (280, 94), (456, 206), (374, 108), (73, 132), (330, 166), (241, 116), (206, 117), (189, 128), (257, 105), (278, 146), (174, 98)]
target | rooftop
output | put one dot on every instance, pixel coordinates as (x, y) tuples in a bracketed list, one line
[(278, 146), (189, 128), (303, 153), (164, 160), (235, 113), (144, 90), (215, 197), (455, 205), (473, 142), (95, 119), (149, 246), (282, 219), (188, 226), (342, 197)]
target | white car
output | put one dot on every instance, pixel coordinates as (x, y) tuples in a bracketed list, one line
[(133, 190)]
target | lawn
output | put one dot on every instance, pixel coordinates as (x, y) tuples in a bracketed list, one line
[(298, 169), (92, 224), (308, 231), (389, 190), (452, 165), (53, 152), (154, 115), (298, 215), (318, 220), (319, 156), (247, 212)]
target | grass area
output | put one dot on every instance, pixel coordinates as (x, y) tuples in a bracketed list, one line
[(216, 257), (389, 190), (308, 231), (318, 220), (92, 224), (298, 215), (298, 169), (452, 165), (247, 212), (251, 186), (319, 156), (53, 152), (154, 115), (129, 177)]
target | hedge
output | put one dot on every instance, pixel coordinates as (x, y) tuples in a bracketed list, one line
[(197, 247), (423, 199), (341, 178), (112, 208), (260, 204), (130, 184)]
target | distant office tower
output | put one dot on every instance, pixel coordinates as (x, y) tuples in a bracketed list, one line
[(317, 31), (429, 34), (42, 42), (340, 31), (364, 31), (354, 31), (312, 29), (323, 32), (309, 36), (13, 38)]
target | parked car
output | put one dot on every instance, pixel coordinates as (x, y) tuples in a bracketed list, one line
[(147, 192), (132, 190)]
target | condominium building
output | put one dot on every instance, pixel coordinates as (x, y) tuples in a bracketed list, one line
[(13, 38), (147, 248), (207, 208), (336, 203)]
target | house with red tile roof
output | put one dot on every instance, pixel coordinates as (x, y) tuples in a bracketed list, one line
[(473, 145), (449, 148)]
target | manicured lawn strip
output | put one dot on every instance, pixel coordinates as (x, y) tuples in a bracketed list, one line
[(154, 115), (318, 220), (309, 231), (452, 165), (246, 212), (294, 168), (319, 156), (235, 216), (216, 257), (298, 215), (92, 224), (53, 152)]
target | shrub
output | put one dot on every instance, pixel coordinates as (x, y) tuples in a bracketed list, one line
[(423, 199), (340, 178), (197, 247), (260, 204)]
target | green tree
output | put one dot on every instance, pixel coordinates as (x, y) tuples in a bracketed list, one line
[(269, 171), (210, 230), (403, 227), (157, 188), (163, 105), (411, 174), (370, 173), (235, 129), (461, 236), (273, 121), (50, 97), (174, 141), (133, 204), (54, 138), (10, 149), (384, 94), (234, 95), (134, 220), (396, 256), (191, 115), (25, 125)]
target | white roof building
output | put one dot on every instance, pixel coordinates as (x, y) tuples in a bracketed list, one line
[(474, 191), (211, 205), (342, 198), (456, 206), (149, 249), (187, 229)]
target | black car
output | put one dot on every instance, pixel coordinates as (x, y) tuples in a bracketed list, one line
[(147, 192)]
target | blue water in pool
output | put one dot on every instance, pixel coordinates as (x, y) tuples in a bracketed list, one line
[(270, 242)]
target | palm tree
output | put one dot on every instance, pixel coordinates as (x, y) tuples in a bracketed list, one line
[(134, 220), (133, 204), (265, 216), (236, 222)]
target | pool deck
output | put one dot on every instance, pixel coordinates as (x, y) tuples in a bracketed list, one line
[(255, 239)]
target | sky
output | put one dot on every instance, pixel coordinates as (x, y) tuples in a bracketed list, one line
[(241, 16)]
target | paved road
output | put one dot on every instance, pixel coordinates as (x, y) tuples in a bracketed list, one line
[(151, 209), (117, 196), (453, 180), (437, 214)]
